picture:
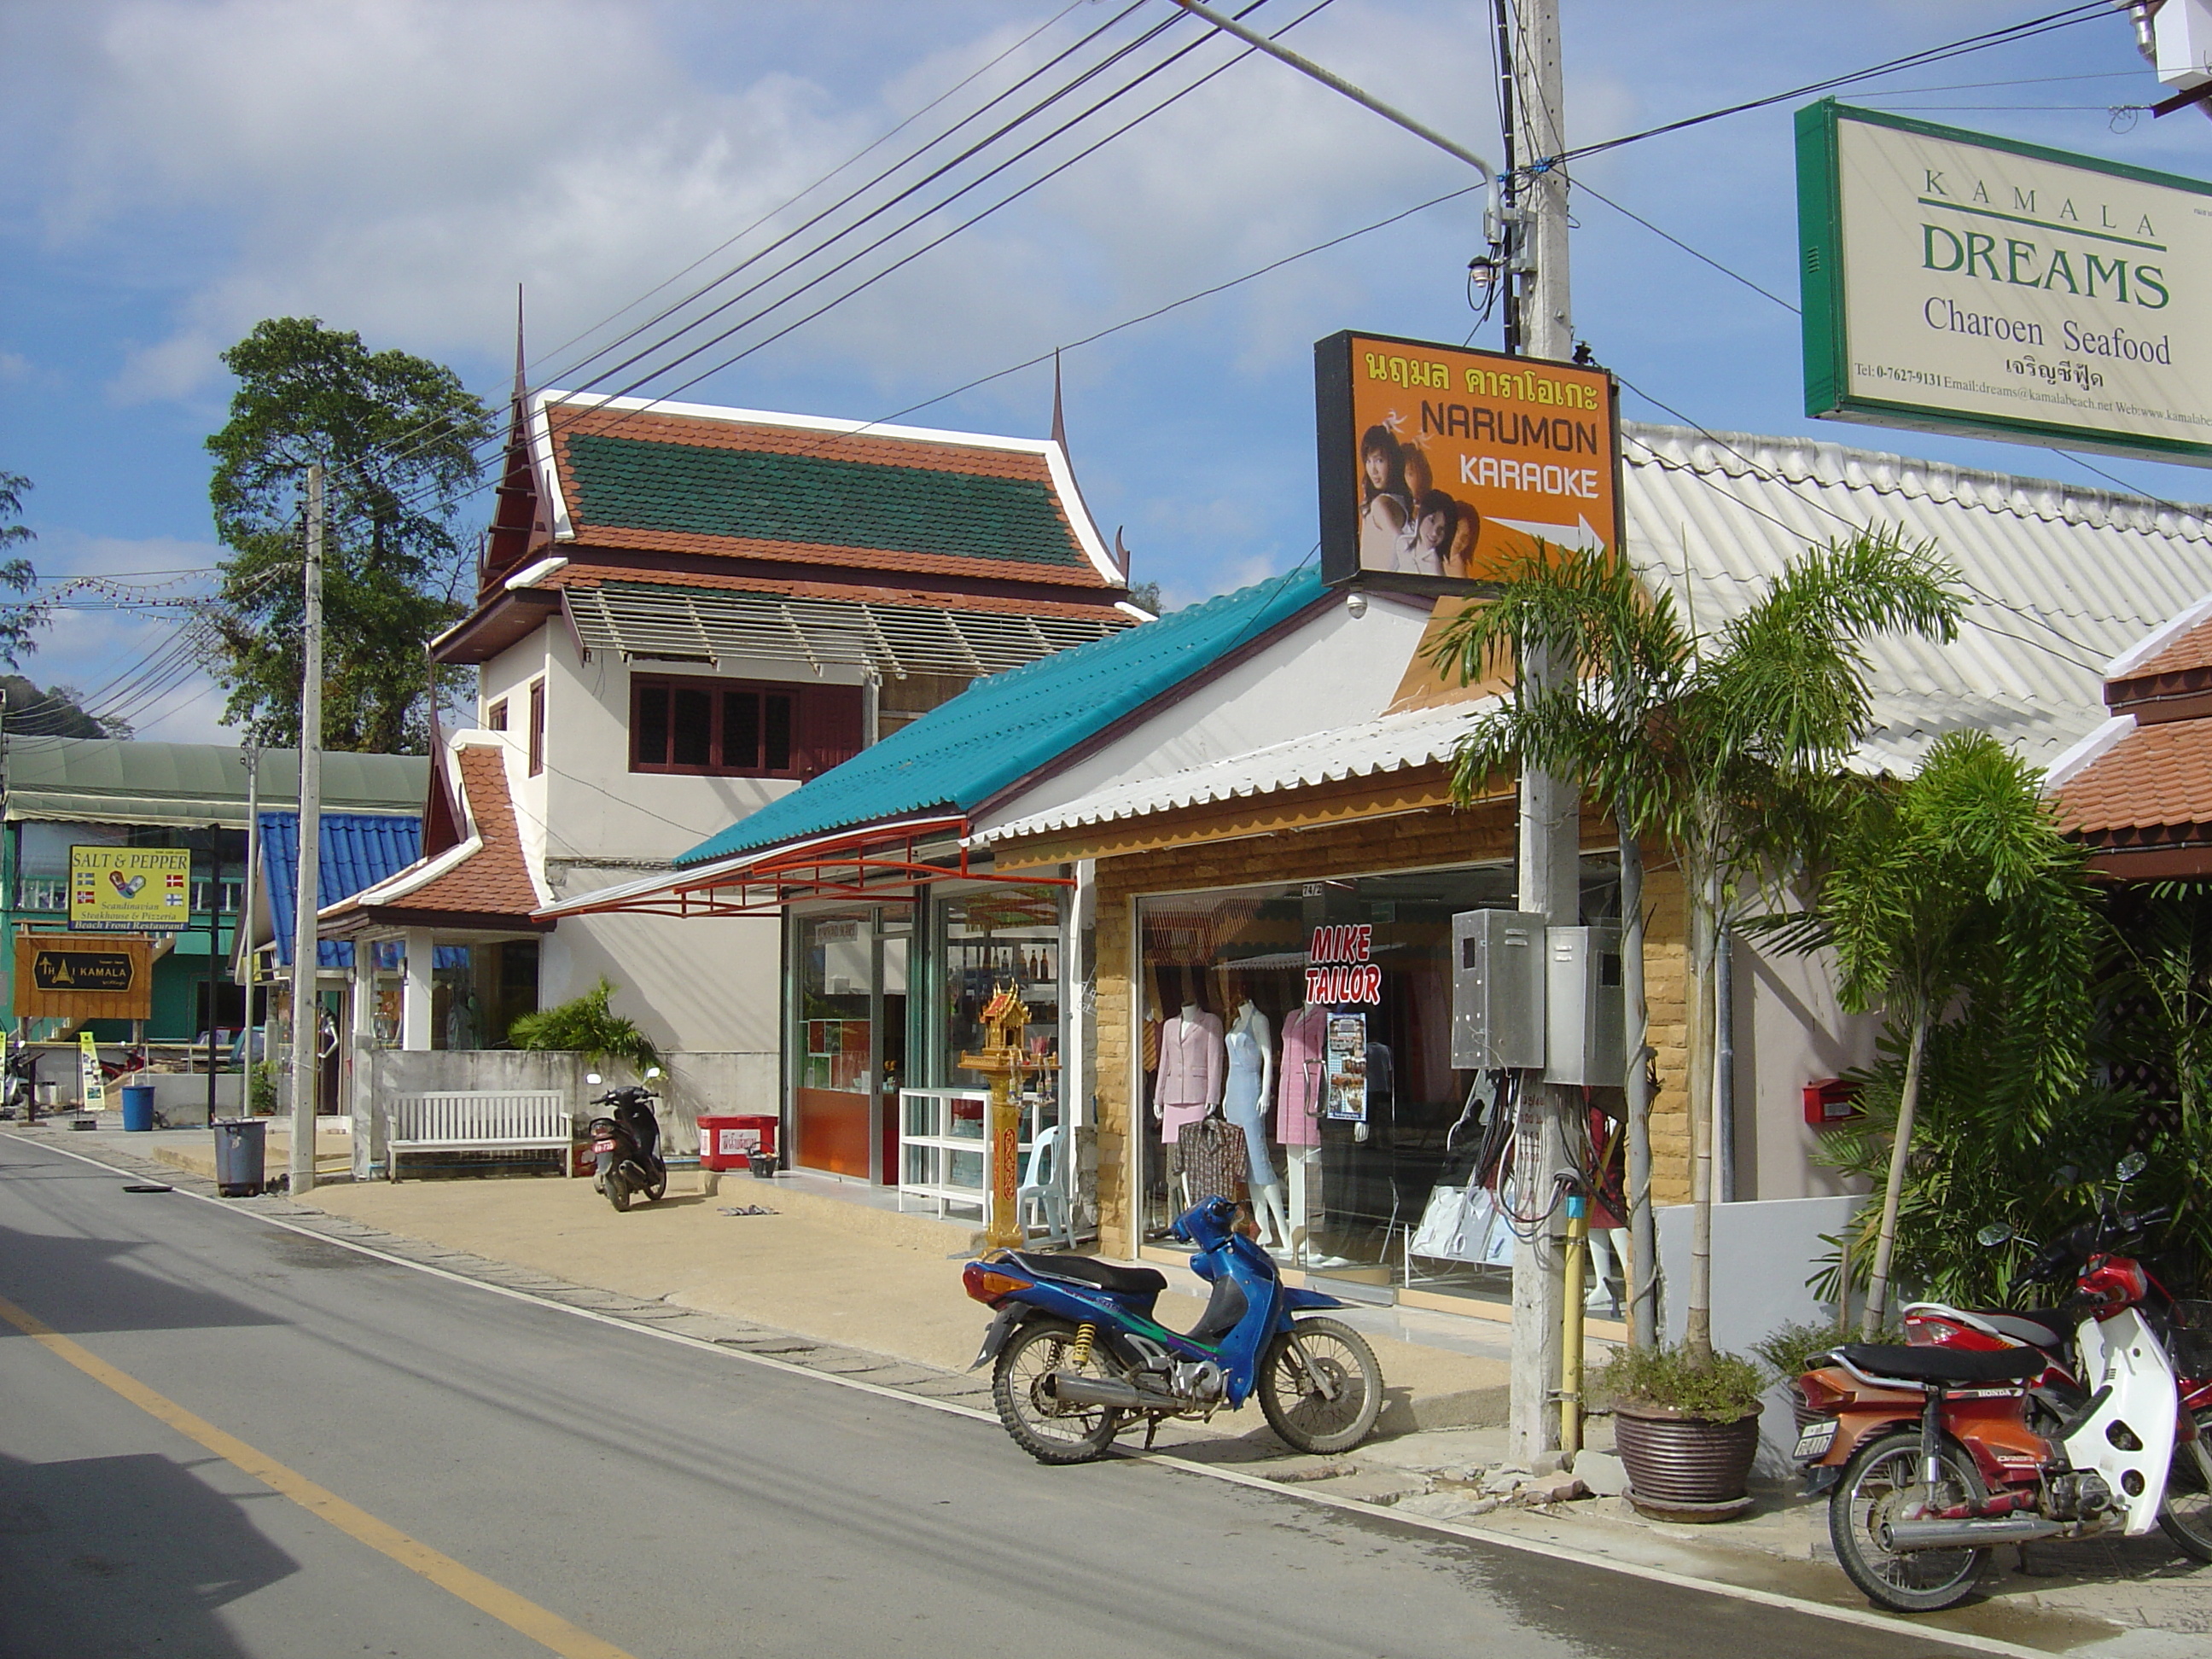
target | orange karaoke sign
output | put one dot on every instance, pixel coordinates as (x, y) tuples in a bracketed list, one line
[(1440, 466)]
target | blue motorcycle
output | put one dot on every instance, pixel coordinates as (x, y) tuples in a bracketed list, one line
[(1079, 1354)]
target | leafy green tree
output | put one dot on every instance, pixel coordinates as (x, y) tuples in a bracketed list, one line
[(1954, 902), (589, 1025), (55, 712), (17, 622), (1726, 748), (398, 437)]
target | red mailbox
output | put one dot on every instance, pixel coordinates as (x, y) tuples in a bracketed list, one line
[(1830, 1101)]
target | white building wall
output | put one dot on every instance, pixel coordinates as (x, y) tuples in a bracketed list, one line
[(1336, 669), (1790, 1031), (588, 821)]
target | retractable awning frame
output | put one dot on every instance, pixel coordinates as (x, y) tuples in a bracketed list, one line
[(855, 863)]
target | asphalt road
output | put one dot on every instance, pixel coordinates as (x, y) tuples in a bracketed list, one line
[(668, 1501)]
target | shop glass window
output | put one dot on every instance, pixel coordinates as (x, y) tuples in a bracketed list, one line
[(716, 728), (1010, 935), (1343, 988)]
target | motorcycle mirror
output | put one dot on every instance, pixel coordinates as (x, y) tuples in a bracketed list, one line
[(2130, 1166), (1995, 1233), (591, 1077), (651, 1072)]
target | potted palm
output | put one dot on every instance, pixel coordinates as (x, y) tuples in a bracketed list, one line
[(1686, 1427)]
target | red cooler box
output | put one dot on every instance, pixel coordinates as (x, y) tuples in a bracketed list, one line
[(730, 1142)]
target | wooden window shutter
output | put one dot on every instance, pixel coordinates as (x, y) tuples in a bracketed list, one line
[(831, 717)]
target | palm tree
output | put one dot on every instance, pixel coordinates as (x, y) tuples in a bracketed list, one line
[(1719, 747), (1956, 891)]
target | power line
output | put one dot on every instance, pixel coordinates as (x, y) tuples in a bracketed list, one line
[(2010, 35), (1735, 275)]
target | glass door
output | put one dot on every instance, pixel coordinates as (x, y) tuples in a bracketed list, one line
[(835, 1098)]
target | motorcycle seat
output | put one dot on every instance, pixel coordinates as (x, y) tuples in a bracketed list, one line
[(1124, 1281), (2045, 1327), (1961, 1365)]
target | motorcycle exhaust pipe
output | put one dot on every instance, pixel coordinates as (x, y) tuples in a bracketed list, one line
[(1905, 1536), (1107, 1391)]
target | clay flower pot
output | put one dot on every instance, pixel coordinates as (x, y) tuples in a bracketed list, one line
[(1684, 1468)]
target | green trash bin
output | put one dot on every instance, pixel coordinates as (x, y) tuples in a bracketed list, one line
[(240, 1152)]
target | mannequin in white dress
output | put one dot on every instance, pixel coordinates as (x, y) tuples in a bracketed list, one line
[(1244, 1101)]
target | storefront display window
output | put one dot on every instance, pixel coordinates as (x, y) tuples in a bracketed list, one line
[(1294, 1052), (834, 1102), (1007, 935)]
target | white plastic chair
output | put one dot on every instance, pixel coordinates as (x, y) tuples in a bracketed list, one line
[(1041, 1186)]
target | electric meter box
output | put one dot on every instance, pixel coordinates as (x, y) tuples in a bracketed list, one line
[(1582, 1007), (1497, 991)]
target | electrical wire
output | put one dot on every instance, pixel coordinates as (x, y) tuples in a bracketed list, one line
[(2010, 35), (1735, 275)]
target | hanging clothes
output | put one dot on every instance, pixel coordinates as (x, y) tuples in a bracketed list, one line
[(1190, 1075), (1241, 1105), (1298, 1077), (1214, 1158)]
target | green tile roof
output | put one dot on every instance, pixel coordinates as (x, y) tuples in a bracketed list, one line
[(633, 484), (1002, 729)]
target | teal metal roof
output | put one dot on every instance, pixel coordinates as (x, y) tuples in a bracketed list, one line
[(1002, 729)]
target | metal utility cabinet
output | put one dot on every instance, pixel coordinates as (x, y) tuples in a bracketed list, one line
[(1583, 1006), (1497, 990)]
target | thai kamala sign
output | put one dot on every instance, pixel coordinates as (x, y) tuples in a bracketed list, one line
[(1953, 282), (1441, 466)]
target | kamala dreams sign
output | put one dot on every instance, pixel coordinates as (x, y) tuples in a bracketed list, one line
[(1958, 283)]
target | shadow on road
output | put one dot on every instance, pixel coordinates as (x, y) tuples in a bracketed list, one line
[(124, 1555), (72, 1282)]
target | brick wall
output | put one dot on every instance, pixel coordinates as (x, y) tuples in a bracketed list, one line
[(1414, 841)]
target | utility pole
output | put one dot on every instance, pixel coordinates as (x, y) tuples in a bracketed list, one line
[(1543, 321), (1540, 322), (242, 958), (306, 1026), (214, 952)]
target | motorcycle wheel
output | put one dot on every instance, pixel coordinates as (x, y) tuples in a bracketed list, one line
[(1320, 1386), (658, 1190), (1041, 1427), (615, 1186), (2187, 1515), (1883, 1477)]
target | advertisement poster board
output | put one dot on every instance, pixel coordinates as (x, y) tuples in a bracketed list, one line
[(1441, 466), (94, 1079), (1345, 1083), (1955, 282), (129, 890)]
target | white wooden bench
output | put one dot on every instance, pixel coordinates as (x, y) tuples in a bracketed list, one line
[(479, 1121)]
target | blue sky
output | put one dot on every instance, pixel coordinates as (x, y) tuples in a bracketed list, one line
[(173, 170)]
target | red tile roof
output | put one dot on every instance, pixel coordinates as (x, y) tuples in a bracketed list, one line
[(2192, 650), (491, 886), (2152, 785)]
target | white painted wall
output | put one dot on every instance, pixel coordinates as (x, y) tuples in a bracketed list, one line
[(702, 983), (1790, 1031), (1335, 670), (588, 804)]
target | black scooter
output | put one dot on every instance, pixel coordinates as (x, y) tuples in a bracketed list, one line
[(626, 1146)]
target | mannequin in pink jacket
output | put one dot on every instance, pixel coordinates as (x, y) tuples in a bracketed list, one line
[(1190, 1076)]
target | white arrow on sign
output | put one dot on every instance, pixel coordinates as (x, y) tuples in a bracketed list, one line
[(1579, 536)]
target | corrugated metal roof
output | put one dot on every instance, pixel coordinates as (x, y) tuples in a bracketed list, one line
[(122, 781), (2062, 579), (689, 624), (358, 849), (1388, 744), (1002, 728)]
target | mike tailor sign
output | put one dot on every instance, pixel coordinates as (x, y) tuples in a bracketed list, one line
[(1441, 466), (1955, 282)]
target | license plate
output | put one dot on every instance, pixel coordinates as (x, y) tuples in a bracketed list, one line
[(603, 1146), (1815, 1440)]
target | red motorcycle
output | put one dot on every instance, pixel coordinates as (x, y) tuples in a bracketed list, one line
[(1991, 1428)]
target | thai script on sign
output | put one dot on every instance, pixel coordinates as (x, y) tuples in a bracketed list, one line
[(1406, 371), (1526, 386), (2078, 375), (1341, 969)]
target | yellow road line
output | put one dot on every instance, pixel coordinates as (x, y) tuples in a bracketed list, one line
[(518, 1612)]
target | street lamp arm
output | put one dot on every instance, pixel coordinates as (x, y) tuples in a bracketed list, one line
[(1338, 83)]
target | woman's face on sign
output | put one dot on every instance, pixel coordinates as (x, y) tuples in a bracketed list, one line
[(1419, 477), (1433, 529), (1378, 469)]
